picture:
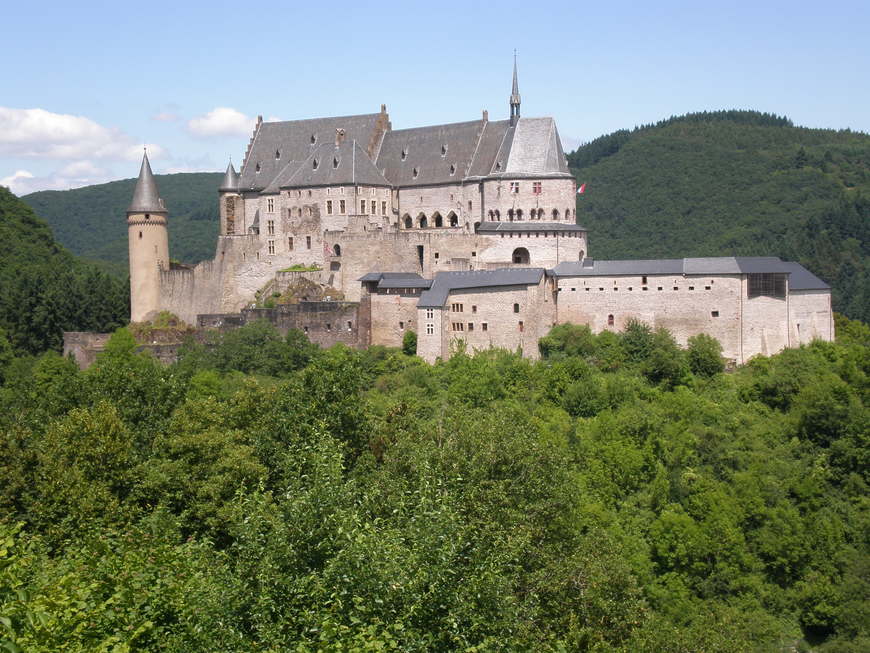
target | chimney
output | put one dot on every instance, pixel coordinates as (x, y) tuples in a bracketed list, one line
[(383, 108), (485, 115), (339, 136)]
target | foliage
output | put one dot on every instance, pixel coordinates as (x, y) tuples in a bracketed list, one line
[(738, 183), (620, 494), (409, 343), (45, 291)]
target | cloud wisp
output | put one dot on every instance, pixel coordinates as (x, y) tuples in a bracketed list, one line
[(221, 121)]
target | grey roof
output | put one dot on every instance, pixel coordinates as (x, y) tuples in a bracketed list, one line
[(488, 147), (690, 266), (146, 199), (802, 279), (527, 225), (231, 179), (377, 276), (405, 282), (330, 165), (439, 154), (445, 282), (534, 149), (291, 141)]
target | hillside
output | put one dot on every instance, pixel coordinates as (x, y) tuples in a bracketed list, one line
[(733, 183), (44, 290), (90, 220)]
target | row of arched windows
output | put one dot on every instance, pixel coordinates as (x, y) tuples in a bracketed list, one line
[(422, 222), (534, 214)]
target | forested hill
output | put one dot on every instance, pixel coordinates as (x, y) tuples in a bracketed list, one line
[(44, 290), (90, 221), (733, 183)]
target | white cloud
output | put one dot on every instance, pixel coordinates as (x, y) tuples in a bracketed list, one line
[(165, 116), (81, 169), (17, 180), (37, 133), (222, 121), (72, 175)]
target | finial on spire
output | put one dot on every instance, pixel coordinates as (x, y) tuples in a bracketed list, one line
[(515, 95)]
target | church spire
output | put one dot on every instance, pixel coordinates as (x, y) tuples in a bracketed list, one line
[(146, 198), (515, 95)]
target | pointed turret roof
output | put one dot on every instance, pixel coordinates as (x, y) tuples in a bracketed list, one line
[(146, 199), (515, 89), (232, 179)]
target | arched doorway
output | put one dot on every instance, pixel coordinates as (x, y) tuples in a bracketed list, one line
[(520, 256), (336, 250)]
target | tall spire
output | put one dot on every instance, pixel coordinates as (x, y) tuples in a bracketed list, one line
[(515, 95), (231, 179), (146, 198)]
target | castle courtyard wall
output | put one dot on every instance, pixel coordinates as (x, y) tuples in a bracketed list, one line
[(810, 316), (393, 314)]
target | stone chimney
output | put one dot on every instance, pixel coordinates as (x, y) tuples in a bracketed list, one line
[(339, 136), (485, 115)]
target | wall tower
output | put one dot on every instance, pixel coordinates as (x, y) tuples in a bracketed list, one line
[(232, 208), (149, 245)]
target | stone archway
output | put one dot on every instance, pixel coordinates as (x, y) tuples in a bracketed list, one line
[(521, 256)]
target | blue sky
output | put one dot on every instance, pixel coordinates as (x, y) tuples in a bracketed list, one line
[(85, 84)]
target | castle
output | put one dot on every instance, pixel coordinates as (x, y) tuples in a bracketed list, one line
[(464, 231)]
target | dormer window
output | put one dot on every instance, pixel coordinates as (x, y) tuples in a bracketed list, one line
[(257, 168), (404, 154), (498, 166), (335, 162), (444, 149), (416, 172), (452, 169), (277, 154), (313, 138), (315, 163)]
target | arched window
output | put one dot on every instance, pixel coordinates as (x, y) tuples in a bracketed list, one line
[(476, 226), (511, 215), (610, 320), (582, 254), (408, 221), (540, 214), (521, 256), (519, 214), (453, 219), (567, 214), (336, 250), (497, 215), (555, 214), (437, 220), (422, 222)]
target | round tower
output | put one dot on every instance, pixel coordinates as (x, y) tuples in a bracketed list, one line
[(149, 245), (232, 208)]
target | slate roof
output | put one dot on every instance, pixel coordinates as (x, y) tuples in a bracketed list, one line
[(146, 199), (231, 179), (488, 147), (802, 279), (422, 148), (291, 139), (529, 225), (445, 282), (346, 164), (691, 266)]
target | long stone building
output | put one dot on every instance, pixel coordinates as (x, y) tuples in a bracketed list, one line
[(461, 232)]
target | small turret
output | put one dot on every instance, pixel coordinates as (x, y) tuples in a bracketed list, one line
[(148, 243), (515, 95), (231, 181)]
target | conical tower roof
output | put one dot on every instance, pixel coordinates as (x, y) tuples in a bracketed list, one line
[(515, 88), (146, 199), (232, 180)]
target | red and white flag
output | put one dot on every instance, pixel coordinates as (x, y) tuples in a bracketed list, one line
[(582, 189)]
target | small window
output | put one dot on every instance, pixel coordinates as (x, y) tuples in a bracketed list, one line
[(691, 287), (328, 207), (706, 287), (659, 288), (520, 326), (271, 247), (305, 329), (676, 288), (257, 167), (383, 208), (335, 162), (516, 308), (342, 207), (456, 308), (484, 326), (315, 163), (630, 288), (277, 154), (362, 206), (471, 326), (536, 188), (349, 325), (473, 308), (444, 150), (328, 326), (643, 280), (404, 154), (270, 227), (430, 313), (415, 172), (436, 255), (573, 290), (473, 254), (290, 243), (401, 325), (307, 242), (610, 320), (140, 234), (270, 205), (714, 313), (430, 329), (452, 169), (515, 187), (313, 138), (374, 207)]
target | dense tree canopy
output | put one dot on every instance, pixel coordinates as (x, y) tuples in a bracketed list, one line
[(622, 494)]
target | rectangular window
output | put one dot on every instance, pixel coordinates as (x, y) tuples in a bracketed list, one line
[(401, 325), (520, 325), (469, 206), (471, 326), (484, 326), (430, 313), (766, 284), (714, 313), (459, 326), (473, 308), (383, 208), (271, 246), (270, 227), (456, 308), (290, 243), (515, 187), (362, 206), (307, 242), (430, 329), (374, 206), (270, 205), (536, 188), (341, 206), (349, 325), (643, 280), (328, 207)]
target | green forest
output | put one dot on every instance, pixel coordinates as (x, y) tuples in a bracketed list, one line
[(263, 494), (733, 183), (90, 221), (44, 290)]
